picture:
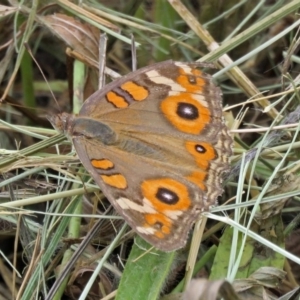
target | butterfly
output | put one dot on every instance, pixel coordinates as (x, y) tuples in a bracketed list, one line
[(156, 144)]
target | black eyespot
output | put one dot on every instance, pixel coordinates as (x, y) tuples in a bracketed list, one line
[(200, 148), (192, 79), (167, 196), (187, 111), (158, 226)]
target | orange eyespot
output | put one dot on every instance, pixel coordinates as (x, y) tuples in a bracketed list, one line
[(185, 113), (166, 194), (161, 222), (193, 83), (203, 153)]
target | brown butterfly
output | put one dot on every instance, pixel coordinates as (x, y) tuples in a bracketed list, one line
[(156, 144)]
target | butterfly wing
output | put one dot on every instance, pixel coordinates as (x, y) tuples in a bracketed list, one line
[(156, 202), (156, 144)]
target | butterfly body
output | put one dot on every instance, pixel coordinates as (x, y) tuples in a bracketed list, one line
[(156, 144)]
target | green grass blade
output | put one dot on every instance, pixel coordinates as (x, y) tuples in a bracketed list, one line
[(145, 274)]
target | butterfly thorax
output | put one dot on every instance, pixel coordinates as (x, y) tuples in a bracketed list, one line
[(93, 129)]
